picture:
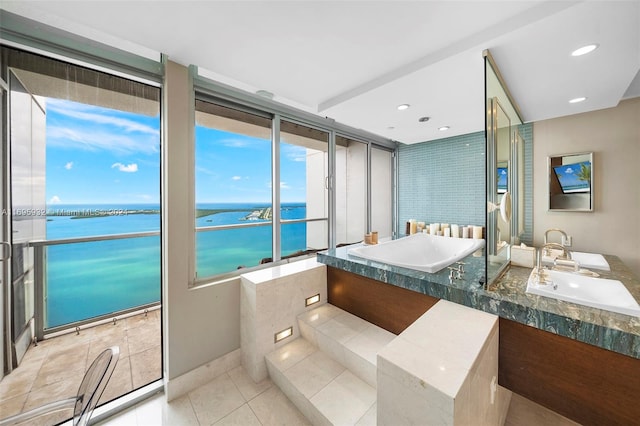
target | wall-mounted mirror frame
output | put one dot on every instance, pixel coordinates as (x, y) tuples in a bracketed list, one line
[(570, 179)]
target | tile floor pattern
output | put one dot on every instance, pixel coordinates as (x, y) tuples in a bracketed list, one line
[(230, 399), (54, 369), (234, 399)]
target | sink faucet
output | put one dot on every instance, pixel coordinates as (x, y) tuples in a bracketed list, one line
[(541, 275), (547, 246), (548, 231)]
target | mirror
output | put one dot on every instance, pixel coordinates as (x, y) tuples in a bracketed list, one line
[(571, 182), (504, 160), (503, 172)]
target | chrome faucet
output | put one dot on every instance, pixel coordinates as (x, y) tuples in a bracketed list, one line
[(545, 247), (546, 234), (542, 279)]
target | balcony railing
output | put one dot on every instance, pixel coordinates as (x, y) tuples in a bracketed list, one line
[(82, 280), (88, 279), (225, 250)]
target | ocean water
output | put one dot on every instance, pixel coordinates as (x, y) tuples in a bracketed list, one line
[(91, 279)]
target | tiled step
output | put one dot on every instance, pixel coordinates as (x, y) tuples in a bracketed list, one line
[(330, 372), (346, 338), (322, 389)]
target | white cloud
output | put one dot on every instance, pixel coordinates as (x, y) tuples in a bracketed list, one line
[(283, 185), (236, 178), (92, 140), (131, 168), (234, 143), (295, 152), (569, 171), (55, 200), (98, 115), (91, 128), (69, 165), (205, 171)]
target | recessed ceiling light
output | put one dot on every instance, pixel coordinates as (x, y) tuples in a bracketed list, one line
[(443, 128), (576, 100), (584, 50), (403, 107), (424, 119)]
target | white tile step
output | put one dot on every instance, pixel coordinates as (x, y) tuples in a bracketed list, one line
[(323, 390), (346, 338)]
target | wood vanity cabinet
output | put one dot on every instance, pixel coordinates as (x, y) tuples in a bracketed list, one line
[(588, 384)]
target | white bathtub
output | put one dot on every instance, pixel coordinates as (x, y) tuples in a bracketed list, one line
[(423, 252)]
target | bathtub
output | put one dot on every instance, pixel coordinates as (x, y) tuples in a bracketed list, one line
[(423, 252)]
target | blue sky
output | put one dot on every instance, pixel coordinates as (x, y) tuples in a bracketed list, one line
[(98, 155), (101, 156), (236, 168), (502, 177), (567, 175)]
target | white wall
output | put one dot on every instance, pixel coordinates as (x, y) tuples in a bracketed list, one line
[(199, 324), (614, 137)]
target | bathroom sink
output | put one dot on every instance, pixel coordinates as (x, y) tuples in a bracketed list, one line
[(586, 260), (590, 260), (601, 293)]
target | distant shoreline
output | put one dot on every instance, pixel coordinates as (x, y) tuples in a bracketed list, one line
[(88, 213)]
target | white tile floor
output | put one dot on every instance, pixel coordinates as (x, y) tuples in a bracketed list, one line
[(230, 399), (233, 399), (53, 369)]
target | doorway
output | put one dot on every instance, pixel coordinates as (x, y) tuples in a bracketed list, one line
[(82, 178)]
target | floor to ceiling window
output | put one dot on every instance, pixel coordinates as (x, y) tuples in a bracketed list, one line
[(244, 220), (364, 190), (304, 162), (351, 190), (84, 186), (237, 208), (381, 191), (233, 189)]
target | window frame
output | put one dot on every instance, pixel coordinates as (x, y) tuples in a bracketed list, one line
[(207, 90), (277, 222)]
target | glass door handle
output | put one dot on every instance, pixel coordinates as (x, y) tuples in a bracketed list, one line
[(5, 252)]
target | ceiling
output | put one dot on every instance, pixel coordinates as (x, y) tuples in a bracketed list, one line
[(356, 61)]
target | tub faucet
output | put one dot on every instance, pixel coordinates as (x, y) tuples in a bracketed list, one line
[(548, 231)]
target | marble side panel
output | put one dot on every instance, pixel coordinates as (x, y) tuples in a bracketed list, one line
[(399, 404), (271, 300), (445, 366)]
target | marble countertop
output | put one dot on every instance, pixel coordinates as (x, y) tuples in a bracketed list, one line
[(507, 298)]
